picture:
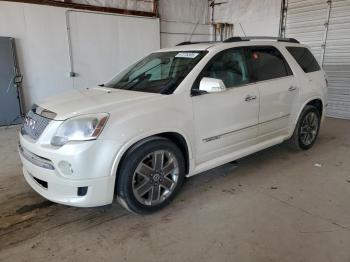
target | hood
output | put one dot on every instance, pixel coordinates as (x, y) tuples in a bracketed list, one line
[(92, 100)]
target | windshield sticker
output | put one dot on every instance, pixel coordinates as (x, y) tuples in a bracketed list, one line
[(187, 55)]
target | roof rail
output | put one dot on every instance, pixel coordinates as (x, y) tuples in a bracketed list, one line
[(192, 43), (248, 38), (245, 38)]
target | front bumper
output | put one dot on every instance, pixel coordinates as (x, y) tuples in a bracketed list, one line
[(91, 183)]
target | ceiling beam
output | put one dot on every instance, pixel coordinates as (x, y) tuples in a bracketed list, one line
[(70, 4)]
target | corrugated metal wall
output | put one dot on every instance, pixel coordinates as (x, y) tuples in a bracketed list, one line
[(337, 59), (325, 27)]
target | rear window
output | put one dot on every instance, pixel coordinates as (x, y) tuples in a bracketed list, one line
[(304, 58), (266, 62)]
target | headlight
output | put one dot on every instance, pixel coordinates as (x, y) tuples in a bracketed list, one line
[(80, 128)]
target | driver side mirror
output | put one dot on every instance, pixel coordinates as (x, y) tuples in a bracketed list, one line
[(211, 85)]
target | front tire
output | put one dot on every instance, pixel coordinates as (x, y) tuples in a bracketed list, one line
[(150, 176), (307, 129)]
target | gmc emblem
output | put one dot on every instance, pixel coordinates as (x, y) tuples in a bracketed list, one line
[(30, 122)]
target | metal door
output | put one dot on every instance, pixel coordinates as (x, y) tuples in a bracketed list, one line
[(337, 59), (325, 26), (10, 110)]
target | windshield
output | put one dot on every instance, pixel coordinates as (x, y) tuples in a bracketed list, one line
[(158, 72)]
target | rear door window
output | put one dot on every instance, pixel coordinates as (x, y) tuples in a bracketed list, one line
[(266, 62), (304, 58)]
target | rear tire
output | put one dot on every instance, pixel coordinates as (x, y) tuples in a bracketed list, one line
[(150, 176), (306, 129)]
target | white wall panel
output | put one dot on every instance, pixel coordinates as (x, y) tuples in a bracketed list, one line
[(173, 33), (103, 45), (194, 11), (41, 41), (257, 17), (138, 5), (184, 20)]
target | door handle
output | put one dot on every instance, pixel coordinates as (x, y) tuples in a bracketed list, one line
[(250, 98), (292, 88)]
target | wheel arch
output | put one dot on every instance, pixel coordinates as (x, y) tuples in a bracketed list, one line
[(315, 101), (178, 138)]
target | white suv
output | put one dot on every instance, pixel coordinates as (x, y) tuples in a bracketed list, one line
[(175, 113)]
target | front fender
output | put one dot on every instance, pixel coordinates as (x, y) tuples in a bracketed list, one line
[(130, 125)]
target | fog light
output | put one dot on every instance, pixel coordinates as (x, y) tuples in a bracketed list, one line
[(65, 167), (82, 190)]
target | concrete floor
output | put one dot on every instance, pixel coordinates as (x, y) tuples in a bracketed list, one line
[(276, 205)]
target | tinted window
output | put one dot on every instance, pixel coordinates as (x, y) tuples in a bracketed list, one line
[(304, 58), (267, 63), (229, 66)]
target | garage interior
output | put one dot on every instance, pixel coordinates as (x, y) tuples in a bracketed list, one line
[(275, 205)]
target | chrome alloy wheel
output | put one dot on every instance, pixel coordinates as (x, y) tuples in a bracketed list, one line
[(155, 178), (309, 128)]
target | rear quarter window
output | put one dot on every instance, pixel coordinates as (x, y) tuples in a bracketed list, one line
[(304, 58)]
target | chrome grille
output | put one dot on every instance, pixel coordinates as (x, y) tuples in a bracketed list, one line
[(34, 125)]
